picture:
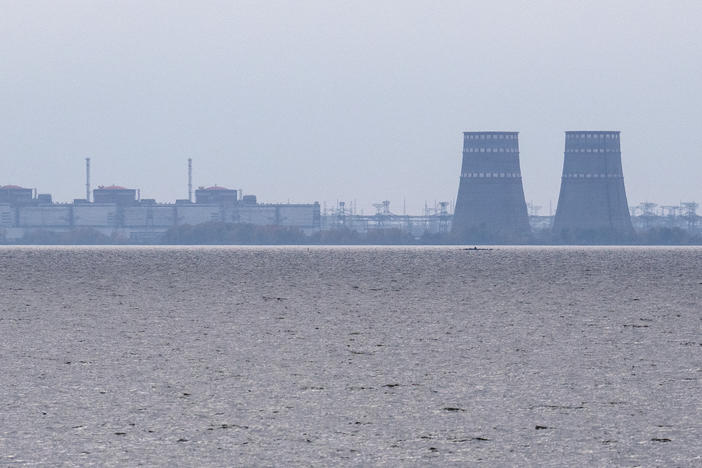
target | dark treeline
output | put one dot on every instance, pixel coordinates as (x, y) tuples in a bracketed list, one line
[(219, 233), (82, 236), (213, 233), (652, 236), (669, 236)]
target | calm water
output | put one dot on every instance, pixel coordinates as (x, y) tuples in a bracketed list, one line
[(354, 356)]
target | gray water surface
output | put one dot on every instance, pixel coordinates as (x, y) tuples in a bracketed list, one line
[(351, 356)]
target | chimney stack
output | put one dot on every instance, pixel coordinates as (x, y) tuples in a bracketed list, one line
[(190, 180), (87, 179)]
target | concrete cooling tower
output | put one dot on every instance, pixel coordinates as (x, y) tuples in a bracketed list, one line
[(490, 206), (592, 205)]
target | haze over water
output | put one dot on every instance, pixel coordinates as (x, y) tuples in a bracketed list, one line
[(358, 356)]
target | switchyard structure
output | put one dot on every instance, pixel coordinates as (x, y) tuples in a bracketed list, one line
[(649, 215), (490, 206), (435, 220), (592, 203)]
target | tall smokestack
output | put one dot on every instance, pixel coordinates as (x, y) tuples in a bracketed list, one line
[(87, 179), (490, 206), (592, 205), (190, 179)]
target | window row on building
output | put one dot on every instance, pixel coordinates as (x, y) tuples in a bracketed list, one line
[(491, 150), (490, 136), (591, 176), (512, 175), (591, 150), (581, 136)]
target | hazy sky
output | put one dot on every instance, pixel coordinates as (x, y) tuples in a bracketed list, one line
[(332, 100)]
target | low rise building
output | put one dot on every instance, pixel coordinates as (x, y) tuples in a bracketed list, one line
[(7, 215), (118, 212), (198, 214), (97, 215), (150, 215), (115, 194), (16, 195), (216, 195), (45, 216)]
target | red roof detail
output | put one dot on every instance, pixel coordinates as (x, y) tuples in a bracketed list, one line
[(12, 187)]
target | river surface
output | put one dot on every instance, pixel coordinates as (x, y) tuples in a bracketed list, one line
[(239, 356)]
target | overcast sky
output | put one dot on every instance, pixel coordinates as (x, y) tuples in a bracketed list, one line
[(331, 100)]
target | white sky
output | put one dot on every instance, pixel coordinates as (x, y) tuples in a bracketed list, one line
[(332, 100)]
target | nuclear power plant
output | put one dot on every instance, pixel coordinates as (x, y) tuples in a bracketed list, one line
[(592, 204), (490, 206), (114, 210)]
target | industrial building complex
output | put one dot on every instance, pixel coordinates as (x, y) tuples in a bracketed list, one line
[(490, 206), (115, 210)]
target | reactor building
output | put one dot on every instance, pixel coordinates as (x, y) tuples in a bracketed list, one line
[(490, 206), (118, 211), (592, 205)]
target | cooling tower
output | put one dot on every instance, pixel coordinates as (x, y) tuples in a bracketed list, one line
[(592, 204), (490, 206)]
